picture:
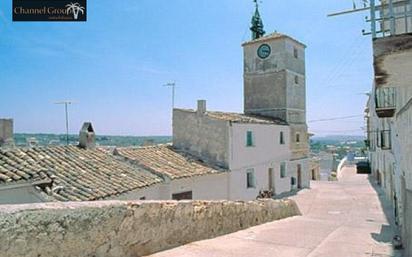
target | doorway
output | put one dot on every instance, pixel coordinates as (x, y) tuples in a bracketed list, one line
[(299, 170), (183, 196), (378, 177), (270, 177), (403, 208)]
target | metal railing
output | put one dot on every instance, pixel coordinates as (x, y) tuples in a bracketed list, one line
[(385, 98), (390, 17)]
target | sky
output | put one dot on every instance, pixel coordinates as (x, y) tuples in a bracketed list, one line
[(114, 65)]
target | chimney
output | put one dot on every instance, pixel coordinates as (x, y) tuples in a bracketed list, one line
[(87, 137), (201, 107), (6, 132)]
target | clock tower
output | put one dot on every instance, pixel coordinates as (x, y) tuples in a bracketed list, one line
[(274, 78), (275, 83), (274, 75)]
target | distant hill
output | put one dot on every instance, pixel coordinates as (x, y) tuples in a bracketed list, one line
[(340, 144), (338, 138), (21, 139)]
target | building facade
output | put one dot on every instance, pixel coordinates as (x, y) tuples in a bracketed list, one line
[(389, 113), (266, 148), (314, 168), (256, 150)]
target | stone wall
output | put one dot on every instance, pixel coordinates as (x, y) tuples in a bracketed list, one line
[(119, 228), (201, 136)]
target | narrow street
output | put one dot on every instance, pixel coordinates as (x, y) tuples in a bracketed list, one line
[(340, 219)]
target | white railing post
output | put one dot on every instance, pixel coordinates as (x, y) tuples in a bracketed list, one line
[(373, 19)]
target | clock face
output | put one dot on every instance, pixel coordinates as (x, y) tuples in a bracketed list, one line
[(264, 51)]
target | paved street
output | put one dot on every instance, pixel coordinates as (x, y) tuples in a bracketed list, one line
[(340, 219)]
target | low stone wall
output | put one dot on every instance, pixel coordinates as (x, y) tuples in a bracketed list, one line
[(118, 228)]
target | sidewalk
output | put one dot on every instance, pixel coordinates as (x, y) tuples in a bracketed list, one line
[(340, 219)]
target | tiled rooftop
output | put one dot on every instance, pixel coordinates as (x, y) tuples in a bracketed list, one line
[(165, 160), (75, 174), (240, 117)]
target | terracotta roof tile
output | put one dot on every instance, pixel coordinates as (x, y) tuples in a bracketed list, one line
[(76, 174), (165, 160), (240, 117)]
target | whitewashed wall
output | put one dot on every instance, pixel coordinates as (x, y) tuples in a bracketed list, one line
[(149, 193), (266, 147), (266, 153), (19, 195), (207, 187)]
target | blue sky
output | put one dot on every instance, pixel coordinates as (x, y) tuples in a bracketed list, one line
[(114, 65)]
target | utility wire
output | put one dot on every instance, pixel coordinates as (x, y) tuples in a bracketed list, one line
[(349, 62), (336, 118), (349, 51)]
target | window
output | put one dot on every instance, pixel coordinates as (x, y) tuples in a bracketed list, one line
[(250, 179), (283, 170), (249, 139), (281, 138), (296, 80), (297, 138), (385, 139), (295, 52), (385, 99)]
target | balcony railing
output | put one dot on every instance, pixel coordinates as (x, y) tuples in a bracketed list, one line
[(390, 17), (385, 102), (385, 137)]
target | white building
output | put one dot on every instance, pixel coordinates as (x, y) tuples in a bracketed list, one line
[(255, 150), (389, 113), (266, 147)]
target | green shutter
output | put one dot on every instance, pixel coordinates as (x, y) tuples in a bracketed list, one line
[(249, 138), (282, 170)]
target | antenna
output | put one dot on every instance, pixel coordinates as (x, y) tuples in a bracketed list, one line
[(66, 103), (173, 86), (387, 12)]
